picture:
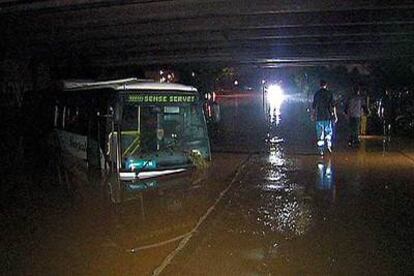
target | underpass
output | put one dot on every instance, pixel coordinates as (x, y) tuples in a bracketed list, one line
[(267, 203)]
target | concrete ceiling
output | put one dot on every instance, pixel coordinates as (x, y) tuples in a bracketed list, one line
[(263, 32)]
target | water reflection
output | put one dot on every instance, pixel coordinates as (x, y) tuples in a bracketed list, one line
[(131, 190), (325, 174), (326, 178), (285, 213), (151, 213), (282, 208), (385, 145), (276, 157)]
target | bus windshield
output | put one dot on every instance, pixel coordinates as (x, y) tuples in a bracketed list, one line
[(162, 136)]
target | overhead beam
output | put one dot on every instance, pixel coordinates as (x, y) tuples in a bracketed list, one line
[(263, 55), (179, 31), (177, 8), (330, 21)]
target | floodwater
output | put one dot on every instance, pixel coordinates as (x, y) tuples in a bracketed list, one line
[(351, 213), (279, 210)]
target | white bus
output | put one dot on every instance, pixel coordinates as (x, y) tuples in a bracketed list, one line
[(130, 129)]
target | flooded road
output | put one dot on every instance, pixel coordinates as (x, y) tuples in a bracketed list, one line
[(349, 214), (102, 230), (279, 210)]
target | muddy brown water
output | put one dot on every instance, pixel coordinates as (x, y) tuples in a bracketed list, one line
[(286, 211)]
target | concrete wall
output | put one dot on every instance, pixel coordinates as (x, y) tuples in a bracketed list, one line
[(17, 79)]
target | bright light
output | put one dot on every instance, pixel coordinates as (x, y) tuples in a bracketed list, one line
[(275, 99), (275, 95)]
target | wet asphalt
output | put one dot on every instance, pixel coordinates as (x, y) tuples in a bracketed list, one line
[(267, 205)]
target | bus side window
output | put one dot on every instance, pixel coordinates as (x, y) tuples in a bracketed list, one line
[(82, 121), (64, 117), (55, 121), (70, 119), (59, 117), (77, 120)]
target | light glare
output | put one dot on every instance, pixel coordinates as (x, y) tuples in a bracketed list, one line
[(275, 95), (275, 99)]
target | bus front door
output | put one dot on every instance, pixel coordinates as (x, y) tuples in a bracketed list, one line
[(94, 152)]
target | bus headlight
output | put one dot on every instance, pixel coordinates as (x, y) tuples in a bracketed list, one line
[(127, 175)]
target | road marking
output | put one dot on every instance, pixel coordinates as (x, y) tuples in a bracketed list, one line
[(406, 156), (188, 237), (136, 249)]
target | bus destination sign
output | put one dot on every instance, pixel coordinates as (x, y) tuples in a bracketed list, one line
[(162, 99)]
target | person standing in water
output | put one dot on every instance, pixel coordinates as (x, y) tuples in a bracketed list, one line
[(386, 113), (354, 109), (324, 111)]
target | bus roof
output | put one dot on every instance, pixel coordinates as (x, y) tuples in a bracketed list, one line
[(124, 84)]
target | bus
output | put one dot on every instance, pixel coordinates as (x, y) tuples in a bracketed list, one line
[(129, 129)]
